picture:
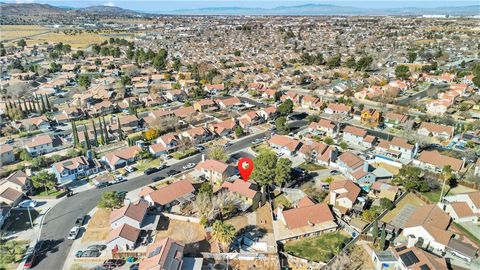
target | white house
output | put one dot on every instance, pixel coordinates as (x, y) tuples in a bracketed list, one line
[(131, 214)]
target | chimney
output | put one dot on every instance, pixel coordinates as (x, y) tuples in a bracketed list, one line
[(333, 197), (203, 157), (411, 241), (365, 166)]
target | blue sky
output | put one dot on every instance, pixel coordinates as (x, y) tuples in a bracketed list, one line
[(166, 5)]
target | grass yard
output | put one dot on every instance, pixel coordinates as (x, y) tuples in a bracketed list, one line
[(261, 148), (98, 226), (181, 155), (312, 167), (53, 193), (320, 248), (145, 164), (434, 195), (281, 200)]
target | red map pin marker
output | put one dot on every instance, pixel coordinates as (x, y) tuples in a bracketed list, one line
[(245, 166)]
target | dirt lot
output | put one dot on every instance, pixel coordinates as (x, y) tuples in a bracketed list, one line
[(98, 227), (191, 234)]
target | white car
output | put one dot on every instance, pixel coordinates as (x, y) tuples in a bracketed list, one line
[(72, 235), (27, 203), (165, 157), (188, 166), (129, 169)]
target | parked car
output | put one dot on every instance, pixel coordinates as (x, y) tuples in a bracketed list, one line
[(129, 169), (9, 141), (200, 148), (80, 220), (163, 166), (227, 144), (29, 261), (257, 141), (118, 179), (72, 235), (96, 247), (41, 245), (188, 166), (121, 194), (113, 263), (172, 172), (151, 170), (102, 185), (27, 203), (334, 172), (87, 253), (158, 178), (134, 266), (166, 157)]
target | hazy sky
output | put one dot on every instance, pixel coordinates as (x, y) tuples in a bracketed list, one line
[(166, 5)]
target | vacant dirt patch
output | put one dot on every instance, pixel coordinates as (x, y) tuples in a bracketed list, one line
[(98, 227)]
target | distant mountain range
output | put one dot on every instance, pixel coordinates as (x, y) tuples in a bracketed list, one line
[(35, 9), (325, 9)]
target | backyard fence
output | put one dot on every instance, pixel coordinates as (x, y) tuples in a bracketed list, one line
[(182, 218)]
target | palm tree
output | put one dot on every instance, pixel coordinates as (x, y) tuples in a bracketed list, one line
[(446, 175), (223, 233)]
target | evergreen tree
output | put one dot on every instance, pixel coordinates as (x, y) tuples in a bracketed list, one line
[(119, 130), (375, 230), (102, 137), (43, 108), (382, 238), (131, 110), (87, 139), (107, 139), (48, 103), (76, 141), (95, 137)]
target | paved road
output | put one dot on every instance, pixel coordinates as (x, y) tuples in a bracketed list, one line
[(60, 219)]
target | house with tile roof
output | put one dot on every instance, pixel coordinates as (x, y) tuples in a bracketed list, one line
[(132, 214), (163, 254), (214, 171), (396, 148), (123, 238), (428, 226), (39, 145), (285, 144), (355, 135), (323, 127), (268, 113), (306, 219), (338, 108), (11, 196), (224, 128), (434, 161), (247, 191), (167, 196), (412, 257), (122, 157), (439, 131), (18, 181), (6, 154), (75, 168), (355, 168), (318, 152), (198, 135), (462, 207), (205, 105), (392, 119), (33, 123), (343, 195)]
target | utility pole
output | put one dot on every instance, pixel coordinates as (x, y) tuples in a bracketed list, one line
[(30, 216)]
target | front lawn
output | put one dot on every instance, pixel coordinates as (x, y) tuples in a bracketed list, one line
[(311, 167), (181, 155), (320, 248), (434, 195), (142, 165), (53, 193)]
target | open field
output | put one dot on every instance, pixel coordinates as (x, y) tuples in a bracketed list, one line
[(319, 249), (98, 226)]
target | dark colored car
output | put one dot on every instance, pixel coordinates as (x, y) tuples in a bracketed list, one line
[(29, 261), (163, 166), (101, 185), (41, 245), (158, 178), (80, 221), (134, 266), (172, 172), (150, 170), (112, 263)]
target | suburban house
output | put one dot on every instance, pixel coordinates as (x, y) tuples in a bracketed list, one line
[(439, 131), (411, 257), (396, 148), (285, 144), (392, 119), (39, 122), (352, 165), (250, 119), (427, 227), (247, 191), (355, 135), (163, 254), (462, 207), (224, 128), (306, 219), (122, 157), (268, 113), (175, 95), (158, 115), (128, 123), (6, 154), (228, 103), (198, 135), (371, 117), (213, 170), (384, 190), (167, 196), (132, 214), (14, 186), (123, 238), (10, 196), (317, 152), (205, 105), (70, 114), (169, 141), (434, 161), (338, 108), (75, 168), (39, 145), (323, 127), (343, 195)]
